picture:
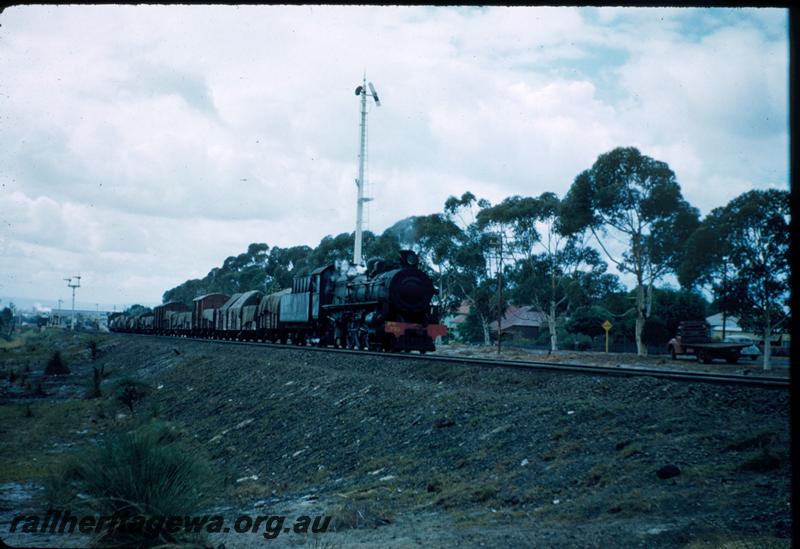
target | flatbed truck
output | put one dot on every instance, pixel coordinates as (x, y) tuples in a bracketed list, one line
[(693, 338)]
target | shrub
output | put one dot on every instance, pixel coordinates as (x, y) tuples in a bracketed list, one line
[(55, 366), (762, 461), (543, 338), (562, 335), (130, 391), (583, 342), (655, 332), (93, 349), (588, 320), (147, 472), (97, 380)]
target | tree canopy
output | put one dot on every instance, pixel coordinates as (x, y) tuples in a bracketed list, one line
[(627, 208), (629, 196), (742, 252)]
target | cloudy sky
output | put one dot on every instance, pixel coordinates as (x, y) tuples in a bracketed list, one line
[(140, 146)]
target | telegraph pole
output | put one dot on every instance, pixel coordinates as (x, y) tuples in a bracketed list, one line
[(73, 285), (499, 293)]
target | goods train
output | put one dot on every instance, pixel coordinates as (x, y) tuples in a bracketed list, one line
[(386, 308)]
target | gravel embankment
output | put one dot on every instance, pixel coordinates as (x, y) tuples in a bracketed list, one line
[(413, 452)]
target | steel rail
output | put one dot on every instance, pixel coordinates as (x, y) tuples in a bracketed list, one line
[(619, 370)]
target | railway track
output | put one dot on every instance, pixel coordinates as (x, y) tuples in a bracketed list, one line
[(619, 370)]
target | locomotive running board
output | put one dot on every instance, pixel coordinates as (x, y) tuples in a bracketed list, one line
[(350, 305), (399, 328)]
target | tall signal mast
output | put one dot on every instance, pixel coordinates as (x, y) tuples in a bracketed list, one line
[(73, 285), (362, 91)]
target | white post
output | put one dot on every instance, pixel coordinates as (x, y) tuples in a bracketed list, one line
[(73, 285), (360, 180), (72, 326)]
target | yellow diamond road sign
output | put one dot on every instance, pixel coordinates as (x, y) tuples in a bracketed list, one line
[(606, 325)]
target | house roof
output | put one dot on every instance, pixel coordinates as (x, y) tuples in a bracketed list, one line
[(459, 316), (525, 315), (731, 323)]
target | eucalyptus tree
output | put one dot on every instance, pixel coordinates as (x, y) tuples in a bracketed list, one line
[(259, 268), (285, 263), (548, 258), (468, 259), (7, 322), (631, 197), (436, 239), (753, 253), (706, 263)]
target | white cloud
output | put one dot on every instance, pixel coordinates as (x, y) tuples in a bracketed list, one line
[(141, 145)]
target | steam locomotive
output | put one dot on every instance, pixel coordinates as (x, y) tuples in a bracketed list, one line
[(386, 308)]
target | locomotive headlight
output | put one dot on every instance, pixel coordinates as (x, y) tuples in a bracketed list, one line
[(408, 258)]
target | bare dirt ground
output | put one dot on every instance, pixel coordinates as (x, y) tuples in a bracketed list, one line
[(780, 365), (414, 453)]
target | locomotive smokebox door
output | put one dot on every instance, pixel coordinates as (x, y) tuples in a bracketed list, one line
[(411, 291)]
